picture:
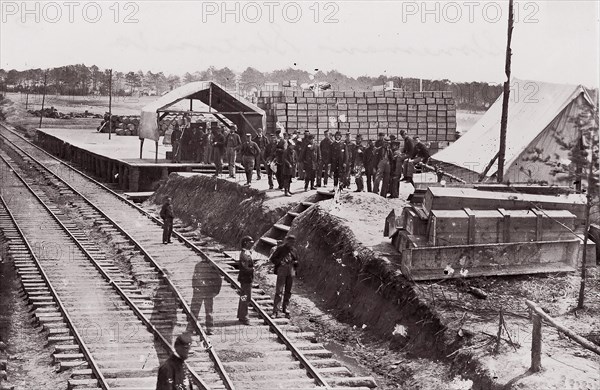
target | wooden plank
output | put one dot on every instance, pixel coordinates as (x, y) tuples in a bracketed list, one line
[(505, 225), (471, 226)]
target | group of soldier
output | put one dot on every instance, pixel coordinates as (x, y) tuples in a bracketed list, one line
[(382, 163)]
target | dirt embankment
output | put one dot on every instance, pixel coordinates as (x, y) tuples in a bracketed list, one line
[(362, 287), (221, 209)]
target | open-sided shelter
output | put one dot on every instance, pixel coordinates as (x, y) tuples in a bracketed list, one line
[(220, 103)]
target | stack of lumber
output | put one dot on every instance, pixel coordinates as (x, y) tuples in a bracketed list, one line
[(430, 115)]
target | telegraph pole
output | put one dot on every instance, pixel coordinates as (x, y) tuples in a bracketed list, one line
[(109, 103), (43, 98), (505, 96)]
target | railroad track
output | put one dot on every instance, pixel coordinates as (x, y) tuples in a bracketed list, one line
[(267, 354), (95, 315)]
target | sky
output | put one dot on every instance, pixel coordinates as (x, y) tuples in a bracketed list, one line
[(553, 41)]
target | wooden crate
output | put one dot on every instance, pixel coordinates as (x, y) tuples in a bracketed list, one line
[(465, 227)]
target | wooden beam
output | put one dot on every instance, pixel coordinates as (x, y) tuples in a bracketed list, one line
[(488, 167), (505, 95), (585, 343)]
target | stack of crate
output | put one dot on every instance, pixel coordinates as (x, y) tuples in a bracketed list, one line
[(430, 115)]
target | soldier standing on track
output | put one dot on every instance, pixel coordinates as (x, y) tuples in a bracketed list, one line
[(286, 262), (171, 375), (245, 277), (166, 214)]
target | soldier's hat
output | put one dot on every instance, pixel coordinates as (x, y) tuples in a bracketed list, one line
[(386, 139), (183, 339)]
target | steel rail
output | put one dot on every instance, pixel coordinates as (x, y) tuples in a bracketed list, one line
[(181, 301), (320, 380), (84, 349), (198, 381)]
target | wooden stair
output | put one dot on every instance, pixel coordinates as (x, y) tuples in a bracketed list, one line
[(279, 230)]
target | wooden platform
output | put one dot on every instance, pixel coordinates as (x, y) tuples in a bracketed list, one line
[(115, 160)]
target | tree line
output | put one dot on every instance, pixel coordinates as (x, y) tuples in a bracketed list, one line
[(81, 80)]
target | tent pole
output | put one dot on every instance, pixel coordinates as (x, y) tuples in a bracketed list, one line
[(156, 152), (210, 97), (141, 147), (505, 96)]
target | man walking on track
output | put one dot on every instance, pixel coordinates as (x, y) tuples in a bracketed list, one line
[(245, 277), (171, 375), (166, 214), (286, 262)]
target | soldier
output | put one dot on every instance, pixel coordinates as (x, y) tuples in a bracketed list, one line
[(232, 144), (262, 142), (396, 166), (383, 159), (175, 141), (369, 162), (218, 150), (288, 167), (269, 154), (325, 149), (339, 160), (245, 277), (310, 156), (420, 154), (171, 375), (286, 263), (250, 152), (358, 162), (166, 214)]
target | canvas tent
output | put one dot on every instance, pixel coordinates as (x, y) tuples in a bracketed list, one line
[(538, 121), (216, 101)]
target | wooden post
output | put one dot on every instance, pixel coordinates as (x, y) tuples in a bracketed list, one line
[(499, 335), (536, 344), (505, 96), (110, 104), (26, 100), (210, 97), (43, 98), (156, 152), (141, 147), (588, 205)]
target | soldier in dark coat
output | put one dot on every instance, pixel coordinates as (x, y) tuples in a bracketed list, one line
[(245, 277), (218, 150), (310, 156), (250, 153), (325, 150), (269, 153), (420, 154), (288, 167), (171, 375), (286, 263), (383, 158), (176, 142), (339, 160), (357, 151), (262, 143), (370, 166), (166, 214)]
